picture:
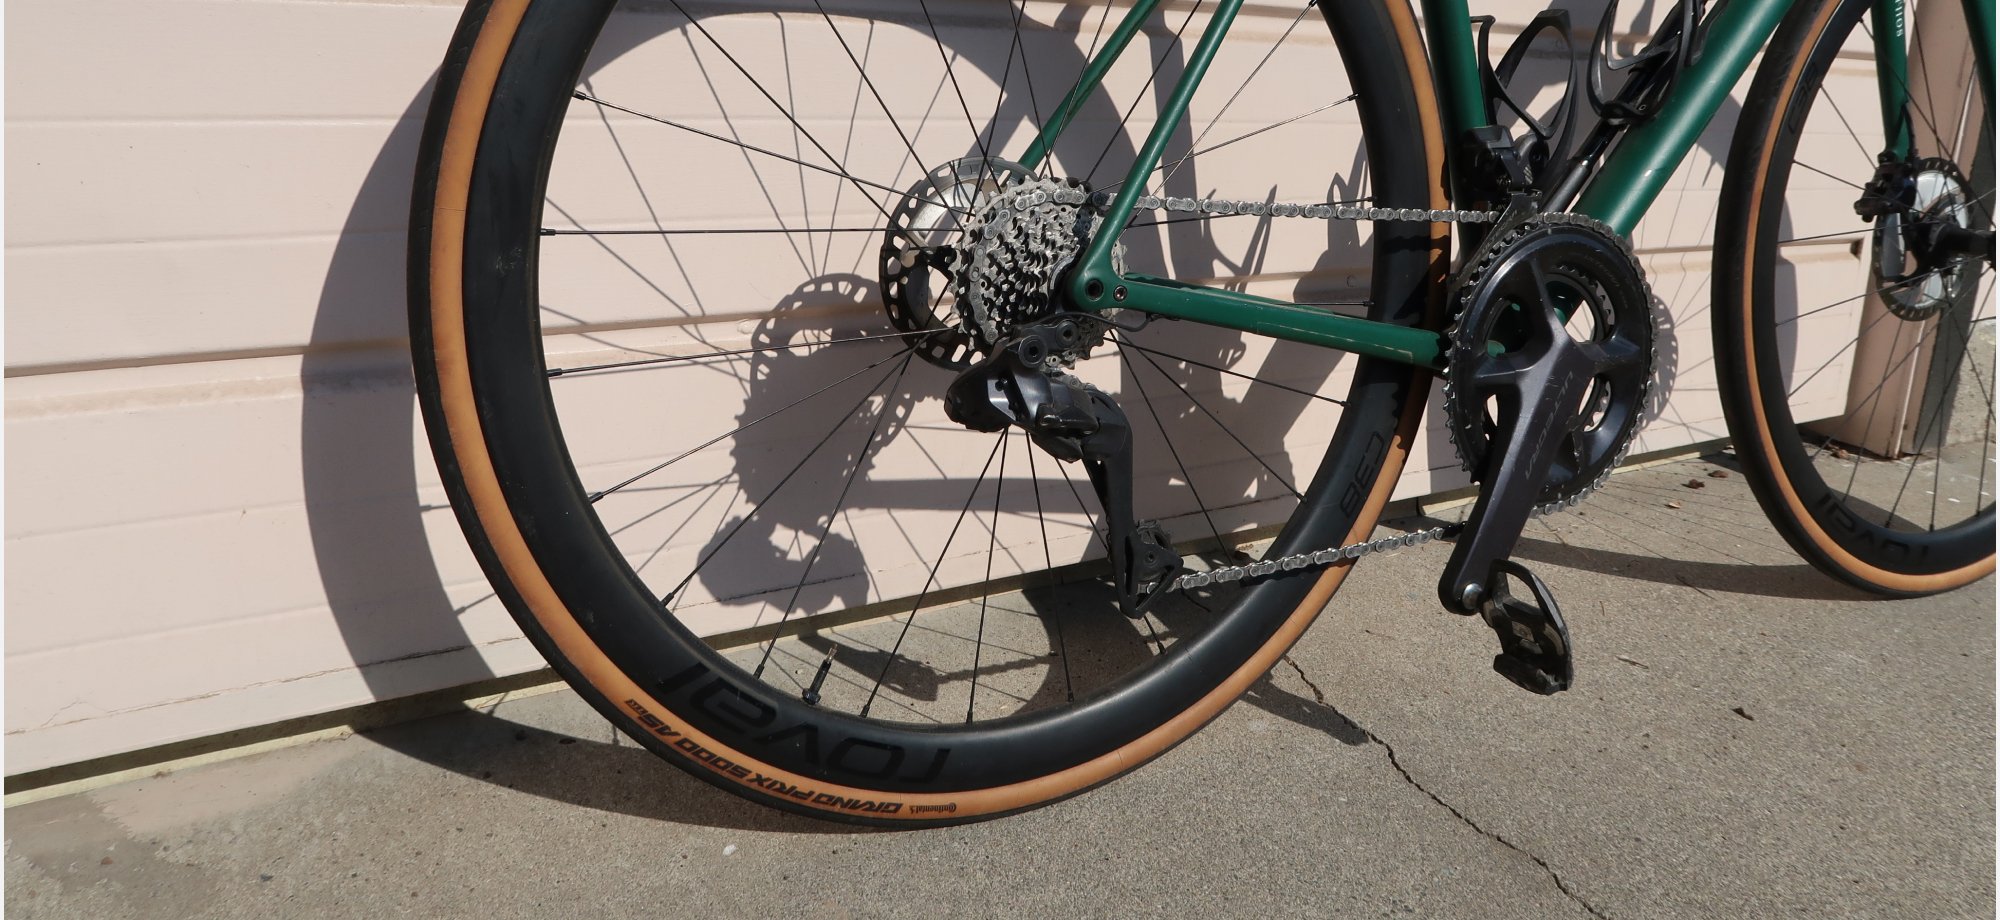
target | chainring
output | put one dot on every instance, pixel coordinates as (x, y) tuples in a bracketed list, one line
[(1583, 266)]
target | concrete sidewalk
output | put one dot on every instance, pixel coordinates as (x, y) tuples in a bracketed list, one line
[(1747, 739)]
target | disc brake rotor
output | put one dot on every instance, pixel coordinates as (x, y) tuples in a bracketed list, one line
[(922, 254)]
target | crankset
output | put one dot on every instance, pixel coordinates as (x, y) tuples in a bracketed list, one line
[(1550, 362), (1020, 384)]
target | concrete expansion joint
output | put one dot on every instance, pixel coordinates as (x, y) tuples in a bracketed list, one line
[(1397, 763)]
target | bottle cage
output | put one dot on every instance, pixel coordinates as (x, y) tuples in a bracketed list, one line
[(1678, 38), (1548, 140)]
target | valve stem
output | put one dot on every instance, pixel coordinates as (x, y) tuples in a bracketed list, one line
[(811, 696)]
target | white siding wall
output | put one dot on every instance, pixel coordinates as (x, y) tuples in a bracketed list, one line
[(221, 511)]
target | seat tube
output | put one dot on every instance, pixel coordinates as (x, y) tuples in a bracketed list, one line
[(1087, 82), (1448, 32)]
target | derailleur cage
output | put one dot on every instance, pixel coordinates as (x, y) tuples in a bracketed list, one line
[(1019, 384)]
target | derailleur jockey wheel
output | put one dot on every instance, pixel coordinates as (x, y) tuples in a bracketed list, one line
[(1581, 268)]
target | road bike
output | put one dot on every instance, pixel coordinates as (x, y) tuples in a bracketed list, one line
[(905, 412)]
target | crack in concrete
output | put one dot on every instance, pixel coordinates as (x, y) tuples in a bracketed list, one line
[(1397, 763)]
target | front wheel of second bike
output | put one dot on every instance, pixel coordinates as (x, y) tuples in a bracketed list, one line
[(1855, 354), (684, 307)]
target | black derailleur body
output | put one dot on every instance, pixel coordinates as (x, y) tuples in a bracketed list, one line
[(1563, 409), (1021, 384)]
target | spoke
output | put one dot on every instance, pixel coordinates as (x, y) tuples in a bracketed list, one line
[(1873, 401), (1150, 79), (1906, 282), (1103, 19), (1127, 342), (1825, 236), (805, 198), (1049, 564), (1926, 430), (943, 551), (893, 123), (1829, 175), (1218, 423), (952, 74), (1986, 438), (809, 454), (986, 586), (801, 129), (683, 455), (1153, 411), (1192, 153), (1866, 157), (1923, 433), (841, 173), (1028, 73), (669, 359), (1877, 321), (548, 231), (839, 502), (1985, 447), (1224, 110)]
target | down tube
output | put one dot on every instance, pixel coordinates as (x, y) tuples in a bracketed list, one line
[(1646, 158)]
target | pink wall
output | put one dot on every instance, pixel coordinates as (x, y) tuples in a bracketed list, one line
[(221, 512)]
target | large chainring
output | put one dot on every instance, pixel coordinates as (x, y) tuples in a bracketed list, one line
[(1578, 265)]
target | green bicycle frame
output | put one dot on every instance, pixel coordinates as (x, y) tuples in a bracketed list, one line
[(1625, 185)]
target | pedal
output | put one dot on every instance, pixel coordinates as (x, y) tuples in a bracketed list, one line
[(1534, 641)]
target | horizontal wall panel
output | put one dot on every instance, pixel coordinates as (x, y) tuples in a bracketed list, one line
[(222, 509)]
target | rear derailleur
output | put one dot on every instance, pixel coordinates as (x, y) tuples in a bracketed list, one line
[(1020, 383)]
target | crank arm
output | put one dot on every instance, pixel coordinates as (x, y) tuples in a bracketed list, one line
[(1539, 400)]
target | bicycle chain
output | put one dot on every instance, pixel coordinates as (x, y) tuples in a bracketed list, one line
[(1220, 207), (1331, 555)]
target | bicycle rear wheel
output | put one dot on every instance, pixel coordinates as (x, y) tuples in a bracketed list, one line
[(700, 451), (1858, 387)]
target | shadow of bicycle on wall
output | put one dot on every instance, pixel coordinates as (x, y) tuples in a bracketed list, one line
[(372, 532), (373, 535)]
